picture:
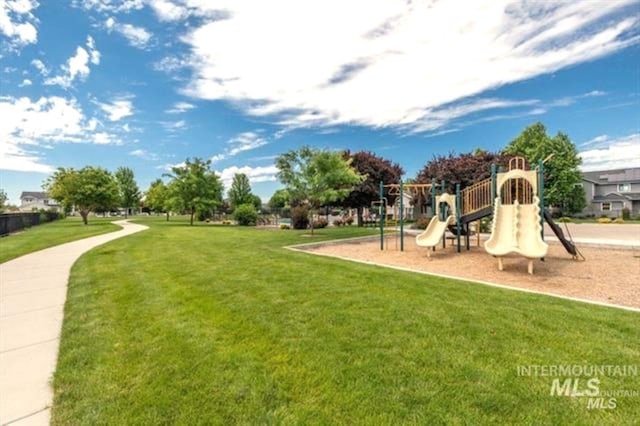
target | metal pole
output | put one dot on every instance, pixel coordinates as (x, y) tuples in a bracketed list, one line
[(401, 216), (380, 212), (541, 194), (433, 197), (443, 213), (458, 219)]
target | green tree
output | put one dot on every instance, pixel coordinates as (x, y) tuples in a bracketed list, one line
[(157, 197), (88, 189), (194, 187), (128, 188), (240, 190), (375, 169), (317, 177), (279, 200), (562, 176), (256, 201), (3, 200)]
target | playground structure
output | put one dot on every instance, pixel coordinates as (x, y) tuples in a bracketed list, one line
[(514, 198), (517, 222), (445, 215)]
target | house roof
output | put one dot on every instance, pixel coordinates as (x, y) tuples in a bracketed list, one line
[(613, 176), (615, 196), (34, 194)]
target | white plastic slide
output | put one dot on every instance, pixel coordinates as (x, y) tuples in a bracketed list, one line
[(516, 229), (434, 232)]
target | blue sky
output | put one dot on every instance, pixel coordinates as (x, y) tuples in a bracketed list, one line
[(147, 83)]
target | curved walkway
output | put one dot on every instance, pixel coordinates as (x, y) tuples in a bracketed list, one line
[(33, 289)]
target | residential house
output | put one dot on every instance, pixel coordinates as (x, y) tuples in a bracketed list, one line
[(30, 201), (610, 191)]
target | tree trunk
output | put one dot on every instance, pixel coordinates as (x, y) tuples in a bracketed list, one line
[(193, 211), (84, 214), (359, 214), (167, 216), (311, 222)]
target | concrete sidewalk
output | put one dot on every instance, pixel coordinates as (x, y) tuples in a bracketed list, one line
[(33, 289)]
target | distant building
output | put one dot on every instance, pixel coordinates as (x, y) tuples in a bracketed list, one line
[(30, 201), (610, 191)]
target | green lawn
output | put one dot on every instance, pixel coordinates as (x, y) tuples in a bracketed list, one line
[(51, 234), (219, 325)]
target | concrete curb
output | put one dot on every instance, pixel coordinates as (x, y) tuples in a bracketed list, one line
[(300, 249)]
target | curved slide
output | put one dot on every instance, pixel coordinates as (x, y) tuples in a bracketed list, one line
[(434, 232), (516, 229)]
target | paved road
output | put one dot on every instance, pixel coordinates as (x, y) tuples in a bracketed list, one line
[(606, 234), (33, 289)]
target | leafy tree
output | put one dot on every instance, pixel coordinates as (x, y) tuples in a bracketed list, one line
[(279, 200), (3, 199), (194, 187), (317, 177), (561, 172), (256, 201), (157, 197), (246, 215), (129, 191), (240, 191), (375, 169), (88, 189), (464, 169)]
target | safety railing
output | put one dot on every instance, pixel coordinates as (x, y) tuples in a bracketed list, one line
[(476, 197)]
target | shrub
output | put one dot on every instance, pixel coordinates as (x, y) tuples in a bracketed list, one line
[(338, 222), (320, 223), (349, 220), (246, 215), (626, 214), (485, 225), (284, 226), (604, 220), (300, 217), (565, 219), (618, 220), (421, 223)]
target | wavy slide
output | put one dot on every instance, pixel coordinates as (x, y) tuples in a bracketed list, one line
[(516, 229)]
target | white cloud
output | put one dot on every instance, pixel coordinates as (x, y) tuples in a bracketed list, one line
[(118, 108), (111, 6), (25, 82), (611, 153), (41, 67), (168, 11), (180, 107), (136, 36), (245, 141), (388, 64), (17, 21), (255, 174), (174, 126), (145, 155), (77, 66), (28, 125), (104, 138), (168, 167)]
